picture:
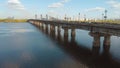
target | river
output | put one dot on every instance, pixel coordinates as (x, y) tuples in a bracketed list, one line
[(23, 45)]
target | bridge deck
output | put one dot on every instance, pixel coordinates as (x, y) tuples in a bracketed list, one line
[(112, 29)]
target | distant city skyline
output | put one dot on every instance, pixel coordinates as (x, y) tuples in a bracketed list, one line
[(92, 9)]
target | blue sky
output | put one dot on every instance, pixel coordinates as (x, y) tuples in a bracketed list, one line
[(58, 8)]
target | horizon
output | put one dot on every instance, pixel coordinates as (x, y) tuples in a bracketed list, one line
[(23, 9)]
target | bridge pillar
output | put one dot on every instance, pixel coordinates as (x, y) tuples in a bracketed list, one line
[(42, 26), (35, 23), (58, 29), (96, 41), (106, 40), (96, 38), (66, 34), (39, 24), (52, 30), (59, 33), (46, 28), (95, 51), (72, 34)]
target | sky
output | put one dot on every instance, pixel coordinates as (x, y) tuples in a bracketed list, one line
[(91, 9)]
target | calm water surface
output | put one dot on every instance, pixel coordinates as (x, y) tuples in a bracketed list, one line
[(23, 45)]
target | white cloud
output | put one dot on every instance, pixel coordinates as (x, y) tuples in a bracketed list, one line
[(95, 9), (15, 4), (58, 4), (114, 4)]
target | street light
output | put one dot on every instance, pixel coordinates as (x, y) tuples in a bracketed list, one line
[(35, 16), (65, 17), (102, 16), (46, 17), (41, 16), (79, 17), (84, 17), (105, 15)]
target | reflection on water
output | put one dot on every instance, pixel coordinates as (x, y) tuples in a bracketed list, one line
[(41, 47)]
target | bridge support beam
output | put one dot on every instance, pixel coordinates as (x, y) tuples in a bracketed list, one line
[(73, 34), (106, 45), (96, 38), (58, 30), (96, 41), (46, 28), (106, 40), (66, 35), (52, 30), (59, 38), (42, 26)]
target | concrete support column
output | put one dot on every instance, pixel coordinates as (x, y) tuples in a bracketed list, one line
[(59, 33), (52, 30), (58, 30), (106, 45), (39, 24), (72, 32), (46, 28), (65, 35), (95, 51), (96, 38), (42, 26), (96, 41), (73, 35), (35, 23), (106, 40)]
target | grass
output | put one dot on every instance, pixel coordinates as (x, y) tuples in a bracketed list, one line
[(13, 20)]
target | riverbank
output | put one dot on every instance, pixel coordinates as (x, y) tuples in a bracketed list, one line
[(13, 20)]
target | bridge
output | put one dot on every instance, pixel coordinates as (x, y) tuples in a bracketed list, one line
[(91, 58), (96, 30)]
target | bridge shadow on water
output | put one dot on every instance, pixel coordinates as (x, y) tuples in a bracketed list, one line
[(89, 58)]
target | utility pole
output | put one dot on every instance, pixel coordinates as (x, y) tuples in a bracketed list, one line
[(65, 17), (73, 18), (35, 16), (79, 17), (41, 16), (84, 17), (105, 15), (46, 17), (102, 17)]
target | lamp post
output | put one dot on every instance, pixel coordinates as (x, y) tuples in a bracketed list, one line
[(65, 17), (41, 16), (79, 17), (102, 17), (35, 16), (84, 17), (105, 15), (46, 17)]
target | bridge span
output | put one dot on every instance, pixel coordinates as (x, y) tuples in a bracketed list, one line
[(96, 30)]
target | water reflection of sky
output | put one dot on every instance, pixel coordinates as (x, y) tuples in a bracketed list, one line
[(12, 29), (24, 46)]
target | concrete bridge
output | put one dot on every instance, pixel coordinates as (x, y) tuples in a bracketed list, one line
[(87, 58), (96, 30), (112, 29)]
